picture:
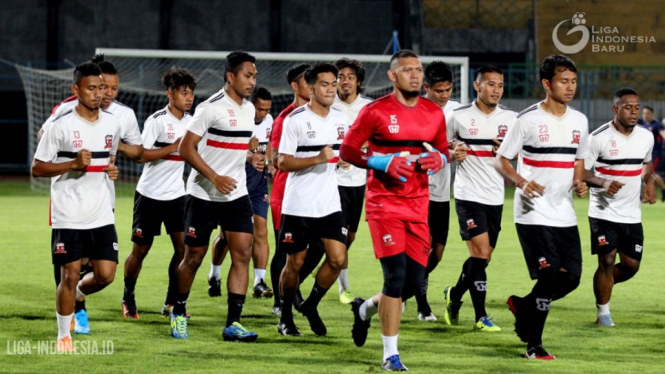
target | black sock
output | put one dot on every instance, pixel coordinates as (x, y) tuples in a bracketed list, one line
[(421, 298), (315, 296), (173, 280), (286, 303), (537, 304), (180, 306), (314, 255), (236, 302), (462, 285), (276, 266), (478, 285), (130, 286), (432, 262), (79, 306)]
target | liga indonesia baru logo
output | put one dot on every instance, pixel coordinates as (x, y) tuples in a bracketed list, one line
[(603, 39)]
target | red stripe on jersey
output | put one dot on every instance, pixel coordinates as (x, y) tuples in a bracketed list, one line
[(173, 158), (333, 160), (238, 146), (480, 153), (94, 168), (549, 164), (622, 173)]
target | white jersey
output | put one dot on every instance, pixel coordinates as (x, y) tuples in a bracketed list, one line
[(353, 176), (162, 179), (475, 178), (617, 157), (312, 192), (439, 183), (547, 146), (225, 129), (262, 132), (79, 199)]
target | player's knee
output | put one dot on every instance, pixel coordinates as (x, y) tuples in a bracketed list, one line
[(70, 277), (104, 278), (565, 283), (606, 263), (336, 260), (294, 262), (394, 275), (140, 251)]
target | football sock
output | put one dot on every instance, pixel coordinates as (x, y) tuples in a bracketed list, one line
[(603, 309), (432, 262), (478, 286), (215, 272), (276, 267), (64, 323), (259, 274), (367, 309), (79, 306), (462, 285), (421, 296), (180, 306), (315, 296), (538, 306), (130, 286), (389, 346), (286, 304), (236, 302), (343, 280), (79, 294)]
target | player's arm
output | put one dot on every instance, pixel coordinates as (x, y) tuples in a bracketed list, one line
[(53, 169), (434, 159), (579, 186), (291, 163), (159, 153), (189, 153), (649, 179), (507, 151), (269, 160), (131, 145), (133, 152), (611, 187)]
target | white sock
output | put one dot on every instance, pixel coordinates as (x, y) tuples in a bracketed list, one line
[(403, 306), (259, 275), (603, 309), (79, 294), (215, 272), (64, 322), (367, 310), (343, 281), (389, 346)]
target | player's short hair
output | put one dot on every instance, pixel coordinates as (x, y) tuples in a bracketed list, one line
[(357, 68), (234, 62), (404, 53), (106, 66), (648, 108), (176, 77), (312, 74), (623, 91), (487, 69), (86, 69), (260, 93), (438, 71), (549, 66), (296, 72)]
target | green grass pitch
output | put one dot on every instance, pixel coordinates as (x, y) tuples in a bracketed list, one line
[(636, 344)]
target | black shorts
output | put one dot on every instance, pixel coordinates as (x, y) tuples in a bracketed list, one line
[(550, 247), (297, 232), (439, 221), (626, 238), (260, 204), (149, 215), (476, 219), (202, 217), (352, 199), (69, 245)]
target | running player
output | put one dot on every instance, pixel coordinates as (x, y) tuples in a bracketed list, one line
[(551, 140), (439, 88), (78, 151), (397, 193), (479, 190), (217, 191), (160, 193), (308, 151), (618, 151), (351, 180), (257, 187)]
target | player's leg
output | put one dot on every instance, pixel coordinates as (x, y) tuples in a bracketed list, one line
[(279, 257), (103, 254), (260, 254), (219, 250), (174, 224), (630, 251), (439, 221), (604, 243), (352, 203), (315, 252), (293, 239), (66, 251)]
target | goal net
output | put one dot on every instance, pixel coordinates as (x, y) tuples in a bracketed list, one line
[(140, 86)]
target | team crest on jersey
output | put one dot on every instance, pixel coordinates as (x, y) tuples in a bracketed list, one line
[(109, 142), (340, 133), (231, 113), (311, 134), (602, 240), (138, 232), (388, 240), (288, 238), (233, 122), (470, 224), (576, 137), (503, 129), (60, 248), (543, 263), (638, 248), (191, 232), (265, 198)]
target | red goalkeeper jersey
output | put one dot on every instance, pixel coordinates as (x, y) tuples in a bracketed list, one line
[(390, 127)]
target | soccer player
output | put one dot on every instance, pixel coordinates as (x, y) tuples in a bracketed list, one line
[(551, 140), (404, 132), (295, 77), (619, 151), (479, 190), (439, 88), (78, 151), (309, 152), (257, 187), (160, 193), (351, 180), (217, 191)]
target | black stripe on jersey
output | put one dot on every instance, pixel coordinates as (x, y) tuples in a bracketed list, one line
[(478, 141), (231, 134), (398, 143), (106, 111), (545, 150), (625, 161), (63, 114), (315, 148), (119, 103), (462, 107), (162, 144), (527, 110), (600, 129), (73, 154), (218, 97), (296, 112), (163, 112)]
